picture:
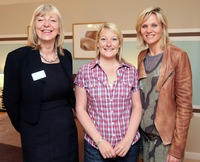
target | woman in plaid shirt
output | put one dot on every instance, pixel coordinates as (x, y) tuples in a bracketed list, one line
[(108, 101)]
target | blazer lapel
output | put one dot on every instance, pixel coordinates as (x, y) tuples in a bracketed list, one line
[(141, 68), (36, 87), (36, 66), (35, 61), (67, 65), (67, 68)]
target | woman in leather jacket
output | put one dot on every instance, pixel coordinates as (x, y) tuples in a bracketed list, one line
[(166, 89)]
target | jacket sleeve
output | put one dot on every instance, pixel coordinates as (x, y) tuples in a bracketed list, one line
[(73, 99), (11, 91), (183, 98)]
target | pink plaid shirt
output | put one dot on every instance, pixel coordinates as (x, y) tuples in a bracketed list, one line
[(109, 108)]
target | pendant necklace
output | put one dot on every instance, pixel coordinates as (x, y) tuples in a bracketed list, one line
[(49, 61)]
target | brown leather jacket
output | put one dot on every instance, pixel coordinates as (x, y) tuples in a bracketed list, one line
[(174, 107)]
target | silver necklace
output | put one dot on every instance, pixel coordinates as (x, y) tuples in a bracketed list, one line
[(49, 61)]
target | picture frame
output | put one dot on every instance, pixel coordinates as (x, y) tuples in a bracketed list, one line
[(84, 38)]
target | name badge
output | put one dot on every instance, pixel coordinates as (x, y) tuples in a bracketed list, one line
[(38, 75)]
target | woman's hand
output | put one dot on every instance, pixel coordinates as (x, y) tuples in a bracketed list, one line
[(122, 147), (172, 159), (106, 149)]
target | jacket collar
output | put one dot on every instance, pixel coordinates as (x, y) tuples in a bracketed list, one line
[(35, 61), (67, 65), (165, 69), (141, 68)]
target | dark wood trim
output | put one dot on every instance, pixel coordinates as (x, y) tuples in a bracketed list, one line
[(14, 39), (25, 38), (186, 34), (196, 110), (69, 37), (130, 35)]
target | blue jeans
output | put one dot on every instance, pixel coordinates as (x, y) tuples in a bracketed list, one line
[(92, 154)]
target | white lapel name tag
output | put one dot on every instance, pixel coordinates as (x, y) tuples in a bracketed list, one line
[(38, 75)]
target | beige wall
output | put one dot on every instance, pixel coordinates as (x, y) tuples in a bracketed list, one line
[(181, 13)]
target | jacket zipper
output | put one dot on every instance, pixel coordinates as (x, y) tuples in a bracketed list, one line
[(168, 77)]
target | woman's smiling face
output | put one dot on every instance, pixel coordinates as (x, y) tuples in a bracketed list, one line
[(152, 31), (47, 27), (108, 44)]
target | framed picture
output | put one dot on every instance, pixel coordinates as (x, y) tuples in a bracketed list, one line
[(84, 38)]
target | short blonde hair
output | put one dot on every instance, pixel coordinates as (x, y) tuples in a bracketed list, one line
[(113, 28), (32, 36), (143, 16)]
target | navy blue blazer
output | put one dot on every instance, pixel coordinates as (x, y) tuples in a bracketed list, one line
[(22, 95)]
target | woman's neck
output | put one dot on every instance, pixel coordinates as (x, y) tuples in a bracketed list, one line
[(155, 50), (110, 67), (108, 62), (47, 50)]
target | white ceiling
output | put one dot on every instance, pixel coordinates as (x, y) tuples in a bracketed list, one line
[(11, 2)]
